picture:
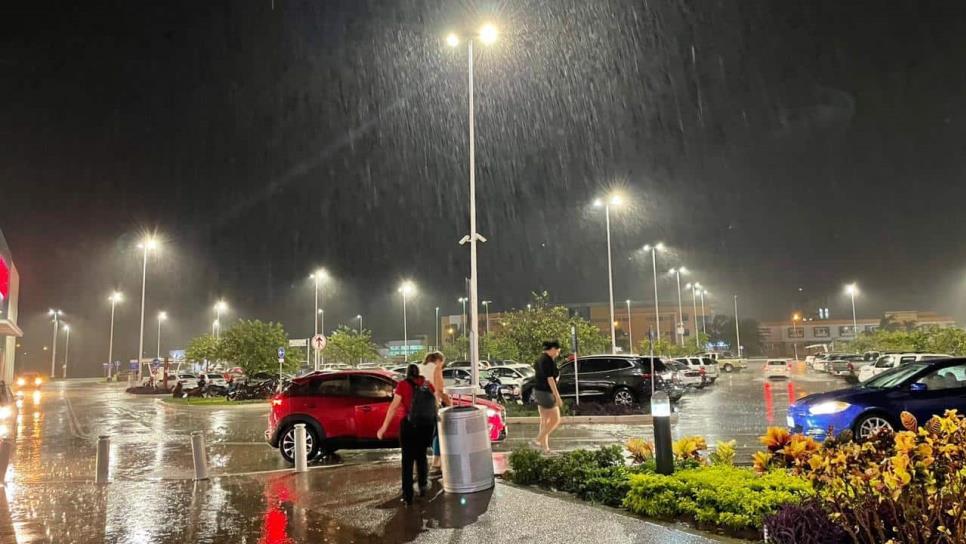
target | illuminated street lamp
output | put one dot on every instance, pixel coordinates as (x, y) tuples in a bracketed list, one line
[(53, 353), (220, 307), (704, 321), (149, 243), (679, 326), (463, 301), (795, 319), (359, 317), (487, 35), (318, 277), (630, 329), (695, 287), (162, 316), (407, 289), (486, 318), (657, 312), (852, 289), (612, 200), (114, 298), (66, 351)]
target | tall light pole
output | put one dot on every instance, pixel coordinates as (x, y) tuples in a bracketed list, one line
[(852, 289), (53, 353), (704, 322), (220, 307), (630, 329), (795, 319), (680, 324), (317, 277), (161, 317), (406, 289), (486, 310), (437, 328), (462, 300), (487, 36), (694, 287), (657, 311), (114, 298), (359, 317), (66, 351), (613, 200), (150, 243), (737, 330)]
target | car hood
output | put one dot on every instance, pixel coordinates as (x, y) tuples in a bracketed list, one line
[(850, 395)]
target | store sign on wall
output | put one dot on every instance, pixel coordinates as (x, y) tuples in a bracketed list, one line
[(4, 280)]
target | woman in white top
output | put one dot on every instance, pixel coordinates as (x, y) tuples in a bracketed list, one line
[(432, 369)]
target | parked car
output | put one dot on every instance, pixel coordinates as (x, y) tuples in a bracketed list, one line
[(708, 367), (923, 388), (461, 377), (511, 375), (186, 379), (466, 364), (344, 410), (213, 378), (27, 382), (685, 375), (620, 379), (892, 360), (823, 362), (846, 365), (777, 368), (731, 365)]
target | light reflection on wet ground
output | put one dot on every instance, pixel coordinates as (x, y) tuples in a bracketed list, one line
[(52, 498)]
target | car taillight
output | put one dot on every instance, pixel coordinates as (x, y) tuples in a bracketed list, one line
[(851, 368), (701, 371), (276, 402)]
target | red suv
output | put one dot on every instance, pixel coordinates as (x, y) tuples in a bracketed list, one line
[(343, 410)]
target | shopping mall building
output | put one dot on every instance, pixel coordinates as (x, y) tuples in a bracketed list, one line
[(9, 332)]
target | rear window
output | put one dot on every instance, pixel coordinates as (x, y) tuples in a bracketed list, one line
[(776, 363)]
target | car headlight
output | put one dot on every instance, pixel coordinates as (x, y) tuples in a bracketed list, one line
[(5, 412), (38, 381), (830, 407), (490, 412), (21, 382)]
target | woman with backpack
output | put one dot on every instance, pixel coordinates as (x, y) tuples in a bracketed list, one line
[(416, 397)]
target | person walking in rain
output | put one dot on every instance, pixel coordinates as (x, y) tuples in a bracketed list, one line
[(416, 397), (545, 393)]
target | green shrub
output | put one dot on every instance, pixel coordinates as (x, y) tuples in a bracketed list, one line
[(593, 475), (725, 496), (527, 466)]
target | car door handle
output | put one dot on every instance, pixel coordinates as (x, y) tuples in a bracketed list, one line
[(366, 408)]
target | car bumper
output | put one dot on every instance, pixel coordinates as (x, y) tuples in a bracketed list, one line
[(821, 426)]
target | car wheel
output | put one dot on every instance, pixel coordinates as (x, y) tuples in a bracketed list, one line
[(728, 368), (869, 425), (286, 445), (623, 397)]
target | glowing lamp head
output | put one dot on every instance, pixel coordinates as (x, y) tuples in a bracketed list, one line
[(851, 289), (116, 297), (598, 202), (162, 316), (452, 39), (407, 288), (66, 328), (149, 243), (616, 200), (488, 34), (660, 404), (221, 306), (319, 275)]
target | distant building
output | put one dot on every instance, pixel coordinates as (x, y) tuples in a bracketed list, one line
[(9, 292), (782, 338)]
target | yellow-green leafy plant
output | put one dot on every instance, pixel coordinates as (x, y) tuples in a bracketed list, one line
[(907, 487), (689, 448), (640, 450), (724, 453)]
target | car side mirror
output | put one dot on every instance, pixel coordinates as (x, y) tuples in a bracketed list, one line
[(917, 387)]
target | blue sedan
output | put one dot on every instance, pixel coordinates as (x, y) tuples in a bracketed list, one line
[(924, 389)]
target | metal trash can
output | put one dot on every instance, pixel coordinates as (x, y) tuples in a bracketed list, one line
[(464, 444)]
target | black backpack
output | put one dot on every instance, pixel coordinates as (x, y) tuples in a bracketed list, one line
[(422, 410)]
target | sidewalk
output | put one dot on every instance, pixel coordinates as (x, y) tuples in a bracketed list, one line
[(343, 504)]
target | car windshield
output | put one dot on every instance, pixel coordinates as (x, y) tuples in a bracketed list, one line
[(894, 377), (525, 371)]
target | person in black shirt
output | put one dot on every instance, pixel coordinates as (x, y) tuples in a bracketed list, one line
[(545, 393)]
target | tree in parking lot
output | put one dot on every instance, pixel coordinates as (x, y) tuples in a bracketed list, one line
[(350, 346), (204, 348), (951, 341), (522, 332), (253, 345)]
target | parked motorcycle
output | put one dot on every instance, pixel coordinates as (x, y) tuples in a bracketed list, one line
[(498, 392)]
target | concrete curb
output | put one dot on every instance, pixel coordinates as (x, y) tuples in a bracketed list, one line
[(587, 420), (247, 406)]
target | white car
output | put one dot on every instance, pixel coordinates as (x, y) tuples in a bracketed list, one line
[(684, 374), (706, 365), (460, 377), (466, 364), (510, 374), (213, 378), (777, 368), (892, 360)]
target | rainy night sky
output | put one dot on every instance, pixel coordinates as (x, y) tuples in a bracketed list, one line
[(773, 145)]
